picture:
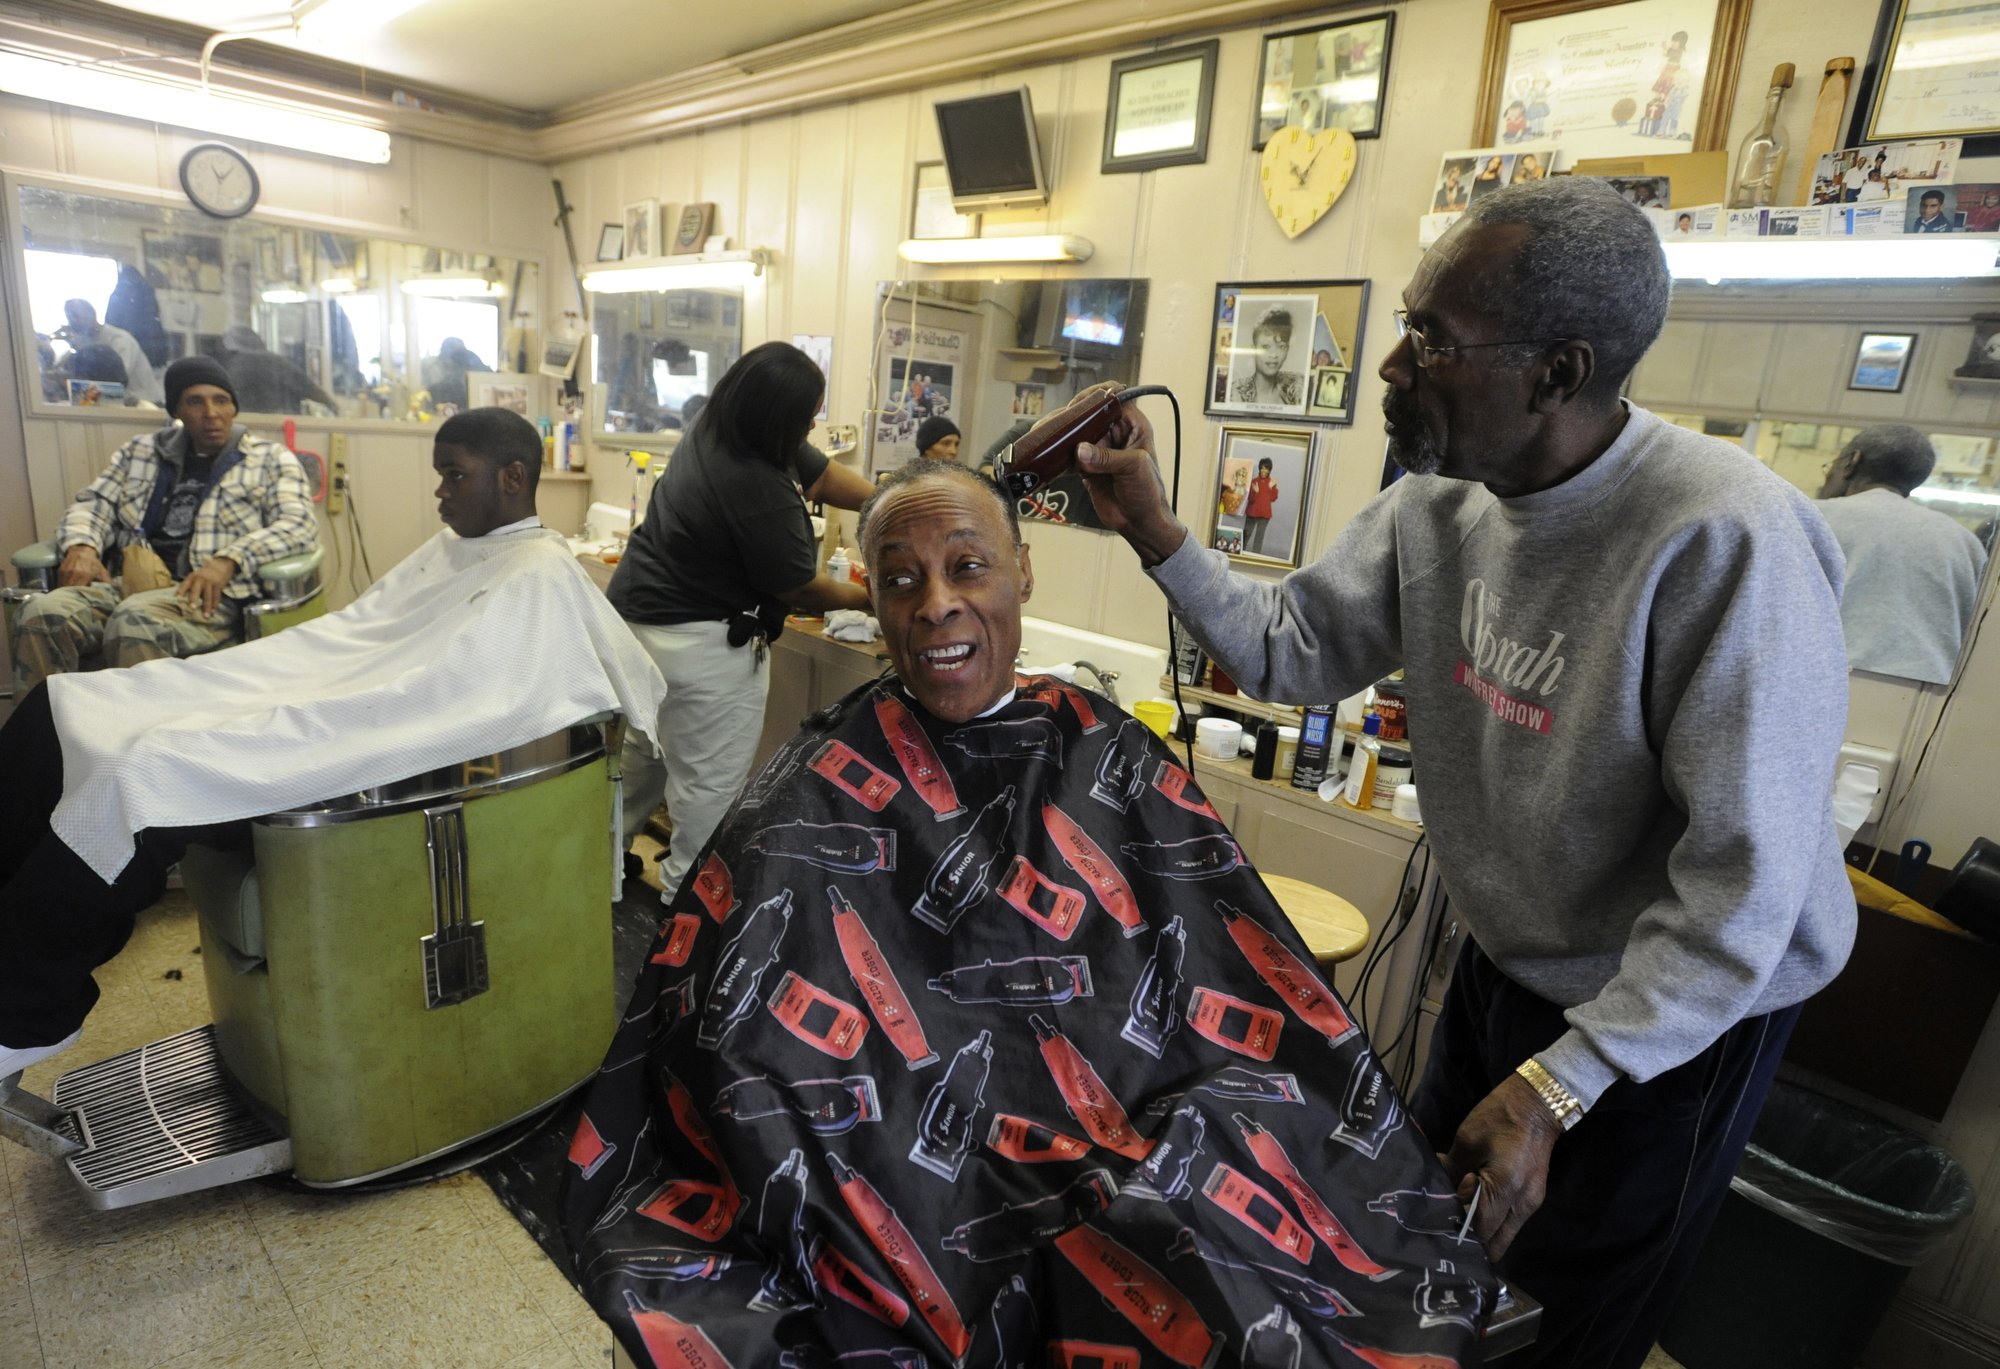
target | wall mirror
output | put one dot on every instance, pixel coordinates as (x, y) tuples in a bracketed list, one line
[(992, 357), (658, 352), (1792, 372), (307, 321)]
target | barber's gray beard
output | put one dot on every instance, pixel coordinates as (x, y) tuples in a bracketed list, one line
[(1411, 444)]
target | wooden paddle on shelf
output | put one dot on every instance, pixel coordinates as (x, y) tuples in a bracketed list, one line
[(1824, 136)]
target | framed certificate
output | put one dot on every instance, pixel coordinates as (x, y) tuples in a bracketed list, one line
[(1931, 73), (1625, 79), (1157, 110)]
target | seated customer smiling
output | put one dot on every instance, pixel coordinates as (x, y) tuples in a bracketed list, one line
[(973, 1035)]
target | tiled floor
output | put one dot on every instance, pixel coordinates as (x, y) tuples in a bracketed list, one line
[(252, 1276)]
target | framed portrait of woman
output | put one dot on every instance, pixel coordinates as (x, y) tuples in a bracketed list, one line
[(1270, 340)]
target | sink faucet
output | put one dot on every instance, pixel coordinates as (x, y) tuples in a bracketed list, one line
[(1106, 678)]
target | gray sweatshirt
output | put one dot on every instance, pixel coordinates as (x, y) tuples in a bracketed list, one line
[(1912, 583), (1626, 697)]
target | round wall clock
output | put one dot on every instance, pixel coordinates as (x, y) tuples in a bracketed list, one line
[(219, 180)]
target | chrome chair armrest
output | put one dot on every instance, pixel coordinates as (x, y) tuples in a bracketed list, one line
[(35, 567)]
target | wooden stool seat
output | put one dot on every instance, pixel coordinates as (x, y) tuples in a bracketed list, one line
[(1333, 928)]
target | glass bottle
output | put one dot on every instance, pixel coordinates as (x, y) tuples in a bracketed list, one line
[(1762, 160)]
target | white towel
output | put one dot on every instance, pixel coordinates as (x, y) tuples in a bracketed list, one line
[(852, 625), (468, 647)]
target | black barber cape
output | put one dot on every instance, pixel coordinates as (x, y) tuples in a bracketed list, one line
[(982, 1045)]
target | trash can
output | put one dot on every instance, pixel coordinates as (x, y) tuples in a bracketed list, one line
[(1827, 1214)]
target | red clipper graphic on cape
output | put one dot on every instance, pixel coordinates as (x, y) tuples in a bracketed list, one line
[(872, 975), (886, 1232), (672, 1343), (1310, 1000), (1143, 1296), (919, 759), (1093, 1105), (1088, 859), (1271, 1157)]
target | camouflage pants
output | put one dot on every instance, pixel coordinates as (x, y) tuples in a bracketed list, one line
[(59, 630)]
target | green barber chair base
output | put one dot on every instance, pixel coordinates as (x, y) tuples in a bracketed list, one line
[(397, 975)]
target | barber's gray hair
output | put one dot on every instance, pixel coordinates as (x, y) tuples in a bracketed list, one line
[(1893, 454), (1590, 268), (912, 471)]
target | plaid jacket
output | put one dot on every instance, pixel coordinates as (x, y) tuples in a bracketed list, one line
[(260, 510)]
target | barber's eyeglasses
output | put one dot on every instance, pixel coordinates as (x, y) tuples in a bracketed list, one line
[(1427, 355)]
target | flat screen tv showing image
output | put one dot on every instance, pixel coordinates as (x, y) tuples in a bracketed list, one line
[(990, 151), (1095, 310)]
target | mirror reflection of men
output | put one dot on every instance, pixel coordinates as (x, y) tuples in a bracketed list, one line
[(266, 382), (210, 500), (1912, 573), (1586, 596), (81, 329)]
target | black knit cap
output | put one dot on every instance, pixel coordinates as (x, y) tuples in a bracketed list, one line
[(933, 431), (195, 371)]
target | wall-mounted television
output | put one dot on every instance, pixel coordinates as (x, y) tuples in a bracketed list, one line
[(991, 153)]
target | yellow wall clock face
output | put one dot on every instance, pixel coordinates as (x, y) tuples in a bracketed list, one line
[(1304, 174)]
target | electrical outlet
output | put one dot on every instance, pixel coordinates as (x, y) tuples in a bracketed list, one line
[(336, 483)]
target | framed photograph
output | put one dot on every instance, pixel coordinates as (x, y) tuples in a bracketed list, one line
[(1029, 400), (1157, 111), (1982, 359), (500, 389), (1930, 74), (1325, 77), (1621, 79), (1328, 398), (1882, 361), (1263, 487), (192, 262), (642, 229), (691, 231), (931, 214), (1269, 340), (611, 242)]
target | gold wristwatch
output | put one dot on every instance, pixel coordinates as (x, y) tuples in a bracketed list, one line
[(1557, 1099)]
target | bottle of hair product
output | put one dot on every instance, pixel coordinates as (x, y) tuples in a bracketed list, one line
[(1264, 761), (1762, 159), (1317, 747), (837, 564), (1360, 789)]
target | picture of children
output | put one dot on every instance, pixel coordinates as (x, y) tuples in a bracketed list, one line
[(1257, 509)]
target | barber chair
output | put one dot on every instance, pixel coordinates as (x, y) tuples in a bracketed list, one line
[(394, 975), (292, 590)]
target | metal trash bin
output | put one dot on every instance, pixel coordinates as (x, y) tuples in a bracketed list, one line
[(1827, 1214)]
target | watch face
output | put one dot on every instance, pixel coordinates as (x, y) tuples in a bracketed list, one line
[(220, 180)]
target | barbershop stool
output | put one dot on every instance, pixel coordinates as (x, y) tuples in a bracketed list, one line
[(393, 975), (1334, 929)]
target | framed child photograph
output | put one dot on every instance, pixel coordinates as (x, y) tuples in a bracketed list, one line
[(1263, 487), (1270, 338), (611, 242), (1882, 361)]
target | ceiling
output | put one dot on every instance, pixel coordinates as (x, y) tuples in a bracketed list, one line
[(515, 52)]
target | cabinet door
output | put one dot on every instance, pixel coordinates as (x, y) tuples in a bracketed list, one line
[(791, 698)]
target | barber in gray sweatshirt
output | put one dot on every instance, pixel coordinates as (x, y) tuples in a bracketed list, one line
[(1627, 689)]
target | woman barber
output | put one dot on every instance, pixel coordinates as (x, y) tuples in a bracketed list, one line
[(725, 551)]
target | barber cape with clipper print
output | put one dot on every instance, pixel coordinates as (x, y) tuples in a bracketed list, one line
[(981, 1044)]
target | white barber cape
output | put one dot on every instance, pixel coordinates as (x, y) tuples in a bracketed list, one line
[(471, 645)]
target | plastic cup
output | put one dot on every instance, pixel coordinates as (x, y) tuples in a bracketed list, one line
[(1157, 714)]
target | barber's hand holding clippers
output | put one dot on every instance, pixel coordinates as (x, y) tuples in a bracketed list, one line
[(1124, 483), (202, 591), (1501, 1153), (81, 566)]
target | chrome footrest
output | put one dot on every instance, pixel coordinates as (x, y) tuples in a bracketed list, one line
[(163, 1120)]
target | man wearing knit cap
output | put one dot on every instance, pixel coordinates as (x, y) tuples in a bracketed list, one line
[(937, 439), (208, 500)]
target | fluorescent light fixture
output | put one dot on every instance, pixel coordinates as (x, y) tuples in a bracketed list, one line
[(185, 106), (456, 285), (953, 251), (644, 275), (285, 294), (1955, 496), (355, 15), (1911, 256), (339, 285)]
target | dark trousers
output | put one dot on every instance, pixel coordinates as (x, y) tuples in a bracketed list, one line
[(1633, 1187), (58, 919)]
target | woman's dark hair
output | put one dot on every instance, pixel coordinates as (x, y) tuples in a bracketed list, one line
[(763, 406)]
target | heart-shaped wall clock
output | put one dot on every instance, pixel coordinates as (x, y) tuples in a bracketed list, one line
[(1304, 173)]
